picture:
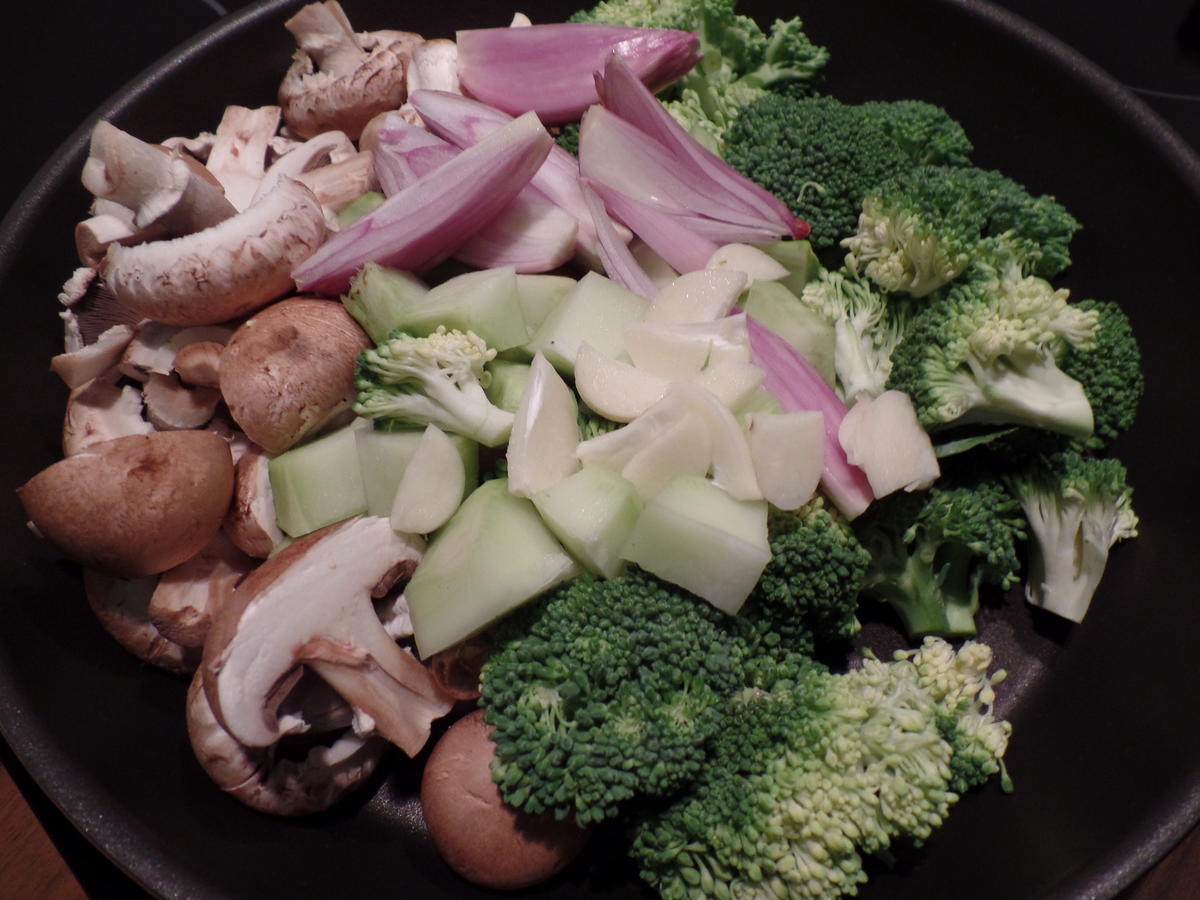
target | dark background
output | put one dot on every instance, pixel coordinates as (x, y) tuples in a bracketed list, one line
[(64, 60)]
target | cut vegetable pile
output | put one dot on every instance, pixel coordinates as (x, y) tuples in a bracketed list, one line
[(598, 376)]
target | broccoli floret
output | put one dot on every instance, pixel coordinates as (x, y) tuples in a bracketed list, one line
[(592, 424), (813, 773), (438, 379), (682, 15), (818, 155), (867, 327), (931, 551), (1110, 371), (817, 567), (924, 131), (921, 229), (986, 350), (1078, 507), (568, 138), (604, 691)]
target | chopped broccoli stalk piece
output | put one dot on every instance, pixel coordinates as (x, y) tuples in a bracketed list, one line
[(817, 770), (438, 379), (1078, 507), (931, 551), (867, 328), (1110, 370), (986, 350), (920, 229)]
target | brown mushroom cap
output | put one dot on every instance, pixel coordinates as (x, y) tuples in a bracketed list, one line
[(480, 837), (289, 370), (122, 608), (135, 505)]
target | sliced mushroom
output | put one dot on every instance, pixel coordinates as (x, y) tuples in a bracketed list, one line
[(80, 366), (238, 157), (267, 780), (326, 148), (136, 505), (155, 347), (122, 608), (189, 595), (434, 67), (339, 79), (251, 524), (288, 371), (225, 271), (338, 184), (102, 410), (310, 604), (172, 405), (159, 185)]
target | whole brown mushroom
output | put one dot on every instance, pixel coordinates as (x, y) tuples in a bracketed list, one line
[(136, 505), (289, 371)]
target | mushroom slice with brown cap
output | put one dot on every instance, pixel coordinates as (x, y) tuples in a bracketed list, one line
[(250, 524), (326, 148), (78, 367), (156, 346), (172, 405), (188, 595), (199, 364), (160, 186), (122, 608), (102, 410), (136, 505), (267, 780), (238, 157), (222, 272), (311, 604), (339, 79)]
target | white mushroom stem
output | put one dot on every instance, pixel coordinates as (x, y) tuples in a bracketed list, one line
[(265, 780), (324, 33), (225, 271), (434, 67), (238, 157), (159, 185), (80, 366), (322, 150), (173, 406), (99, 411), (187, 596), (155, 347), (311, 604), (340, 183)]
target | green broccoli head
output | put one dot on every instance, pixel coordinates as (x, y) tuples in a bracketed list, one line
[(682, 15), (605, 691), (922, 228), (818, 155), (817, 568), (1110, 370), (986, 350), (924, 131), (932, 551), (1077, 507), (438, 379), (815, 772)]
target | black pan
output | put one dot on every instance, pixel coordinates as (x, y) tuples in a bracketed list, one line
[(1106, 752)]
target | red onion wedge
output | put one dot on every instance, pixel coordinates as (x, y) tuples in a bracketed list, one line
[(798, 386), (430, 219), (679, 246), (464, 122), (549, 68), (531, 234), (624, 94), (615, 255)]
